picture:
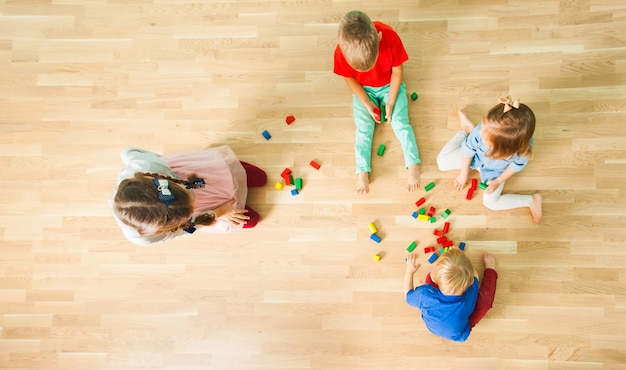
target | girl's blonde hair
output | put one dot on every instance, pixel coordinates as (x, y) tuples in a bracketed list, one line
[(358, 40), (453, 272), (509, 132), (137, 204)]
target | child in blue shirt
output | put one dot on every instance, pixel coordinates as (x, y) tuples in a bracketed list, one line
[(498, 148), (452, 300)]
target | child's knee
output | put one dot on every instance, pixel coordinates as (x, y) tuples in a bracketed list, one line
[(490, 202)]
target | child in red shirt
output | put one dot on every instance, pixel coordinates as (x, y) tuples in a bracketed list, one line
[(369, 55)]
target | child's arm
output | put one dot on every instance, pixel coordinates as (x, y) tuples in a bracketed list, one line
[(360, 93), (394, 87), (493, 184), (461, 179), (411, 269)]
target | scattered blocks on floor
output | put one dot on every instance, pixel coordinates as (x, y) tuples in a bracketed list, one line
[(429, 249), (414, 214), (377, 257), (414, 96), (474, 184), (483, 186), (315, 165), (433, 258), (290, 119), (420, 202), (266, 135), (470, 192), (375, 238), (299, 183), (429, 186), (373, 228), (279, 186), (446, 213), (446, 227), (431, 211), (423, 218), (411, 247), (294, 192), (462, 246)]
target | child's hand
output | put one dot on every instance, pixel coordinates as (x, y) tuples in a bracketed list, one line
[(233, 215), (492, 185), (460, 180), (411, 266), (374, 111)]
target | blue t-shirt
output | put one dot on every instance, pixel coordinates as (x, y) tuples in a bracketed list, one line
[(445, 315), (474, 147)]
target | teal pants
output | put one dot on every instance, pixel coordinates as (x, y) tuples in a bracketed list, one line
[(399, 123)]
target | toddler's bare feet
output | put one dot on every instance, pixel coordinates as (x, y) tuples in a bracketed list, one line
[(414, 177), (536, 208), (466, 124), (362, 183), (490, 261)]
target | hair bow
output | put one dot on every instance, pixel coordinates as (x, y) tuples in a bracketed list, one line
[(165, 195), (197, 183), (508, 103)]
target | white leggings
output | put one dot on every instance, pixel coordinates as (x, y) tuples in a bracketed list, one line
[(450, 159)]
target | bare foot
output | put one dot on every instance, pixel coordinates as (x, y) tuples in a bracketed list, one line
[(536, 207), (466, 124), (362, 183), (490, 261), (414, 177)]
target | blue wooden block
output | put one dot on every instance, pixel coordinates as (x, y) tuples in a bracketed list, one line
[(375, 238), (266, 135), (462, 246), (294, 192), (414, 214), (433, 257)]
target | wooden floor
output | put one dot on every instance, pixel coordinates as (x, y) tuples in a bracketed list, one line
[(82, 80)]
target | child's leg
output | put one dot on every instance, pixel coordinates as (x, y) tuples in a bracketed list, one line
[(486, 295), (497, 202), (254, 218), (449, 157), (256, 177), (402, 127), (364, 133)]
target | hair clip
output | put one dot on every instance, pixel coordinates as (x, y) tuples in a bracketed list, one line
[(195, 184), (165, 195), (508, 103), (192, 226)]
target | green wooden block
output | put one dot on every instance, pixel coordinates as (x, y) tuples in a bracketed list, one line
[(381, 150), (446, 213), (299, 183), (414, 96), (429, 186), (433, 220), (411, 247), (483, 186), (422, 211), (383, 114)]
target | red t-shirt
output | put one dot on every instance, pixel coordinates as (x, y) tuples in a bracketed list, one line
[(391, 53)]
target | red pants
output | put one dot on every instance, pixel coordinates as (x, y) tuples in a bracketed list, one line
[(256, 177), (486, 294)]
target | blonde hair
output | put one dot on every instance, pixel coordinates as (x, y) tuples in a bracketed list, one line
[(453, 272), (509, 133), (358, 40)]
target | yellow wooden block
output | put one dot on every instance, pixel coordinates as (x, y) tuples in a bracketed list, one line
[(376, 257), (279, 186), (373, 228), (423, 217)]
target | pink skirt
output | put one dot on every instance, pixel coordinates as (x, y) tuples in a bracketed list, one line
[(225, 180)]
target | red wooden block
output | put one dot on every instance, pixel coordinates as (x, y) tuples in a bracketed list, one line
[(449, 243), (431, 211), (446, 227), (474, 184), (429, 249), (438, 232), (420, 202), (290, 119), (377, 114), (470, 192), (443, 239), (315, 165), (285, 172)]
